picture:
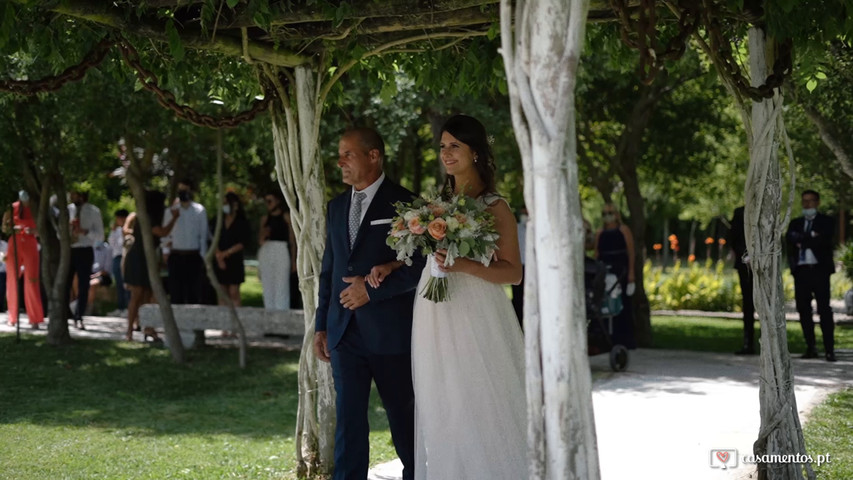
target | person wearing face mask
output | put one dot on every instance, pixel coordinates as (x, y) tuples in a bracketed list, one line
[(185, 246), (809, 241), (230, 271), (277, 255), (22, 250), (87, 230), (614, 246)]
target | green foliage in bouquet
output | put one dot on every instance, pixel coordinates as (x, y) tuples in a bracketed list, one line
[(461, 225)]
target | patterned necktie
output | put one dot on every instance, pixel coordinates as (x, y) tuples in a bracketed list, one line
[(355, 216)]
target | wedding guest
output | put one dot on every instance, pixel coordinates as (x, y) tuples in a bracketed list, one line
[(809, 240), (229, 267), (87, 230), (136, 276), (277, 255), (737, 240), (186, 244), (22, 251), (614, 245), (116, 241)]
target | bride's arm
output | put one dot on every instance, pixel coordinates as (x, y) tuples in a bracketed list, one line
[(507, 268)]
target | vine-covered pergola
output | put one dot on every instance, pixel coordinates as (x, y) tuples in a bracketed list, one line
[(300, 49)]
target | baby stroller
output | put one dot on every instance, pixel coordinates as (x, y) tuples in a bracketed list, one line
[(603, 302)]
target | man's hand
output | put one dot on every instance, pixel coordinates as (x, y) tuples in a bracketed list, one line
[(321, 347), (355, 295)]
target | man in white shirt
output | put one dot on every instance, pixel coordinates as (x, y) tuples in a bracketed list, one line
[(185, 247), (87, 230)]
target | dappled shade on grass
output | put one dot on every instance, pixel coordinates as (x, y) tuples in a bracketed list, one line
[(103, 409)]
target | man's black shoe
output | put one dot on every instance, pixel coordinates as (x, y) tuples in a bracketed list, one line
[(830, 357), (746, 351), (810, 353)]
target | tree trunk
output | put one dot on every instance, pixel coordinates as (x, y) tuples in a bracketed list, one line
[(55, 261), (627, 152), (296, 131), (208, 258), (135, 175), (541, 58), (781, 432)]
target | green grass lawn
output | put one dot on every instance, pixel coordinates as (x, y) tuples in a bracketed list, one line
[(726, 335), (828, 432), (116, 410)]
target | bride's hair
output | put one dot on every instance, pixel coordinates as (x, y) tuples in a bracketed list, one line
[(471, 132)]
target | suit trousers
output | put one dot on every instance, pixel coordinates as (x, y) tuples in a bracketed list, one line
[(814, 281), (185, 282), (747, 306), (353, 367), (82, 259)]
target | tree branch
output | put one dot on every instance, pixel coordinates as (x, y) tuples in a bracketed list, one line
[(104, 14)]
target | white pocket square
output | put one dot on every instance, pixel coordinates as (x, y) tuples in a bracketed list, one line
[(381, 221)]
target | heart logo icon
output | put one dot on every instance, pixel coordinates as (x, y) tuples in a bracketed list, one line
[(723, 456)]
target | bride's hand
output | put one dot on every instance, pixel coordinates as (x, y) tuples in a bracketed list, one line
[(459, 265), (377, 274)]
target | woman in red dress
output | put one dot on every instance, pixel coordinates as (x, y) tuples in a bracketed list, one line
[(23, 251)]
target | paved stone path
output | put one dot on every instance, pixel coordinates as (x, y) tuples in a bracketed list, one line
[(662, 417)]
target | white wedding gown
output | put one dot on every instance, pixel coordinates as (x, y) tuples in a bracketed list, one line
[(468, 371)]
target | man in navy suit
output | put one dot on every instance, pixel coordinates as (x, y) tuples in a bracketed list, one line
[(809, 241), (364, 332)]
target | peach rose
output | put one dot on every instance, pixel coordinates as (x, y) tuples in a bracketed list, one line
[(437, 228), (436, 210), (461, 218), (416, 227)]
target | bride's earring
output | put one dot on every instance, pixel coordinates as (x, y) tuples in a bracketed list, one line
[(475, 159)]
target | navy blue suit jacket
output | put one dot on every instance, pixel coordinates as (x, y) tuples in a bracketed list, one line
[(385, 322), (821, 244)]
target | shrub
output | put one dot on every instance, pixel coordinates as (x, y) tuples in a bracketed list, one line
[(712, 286)]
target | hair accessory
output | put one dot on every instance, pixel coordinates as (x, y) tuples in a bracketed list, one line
[(490, 139)]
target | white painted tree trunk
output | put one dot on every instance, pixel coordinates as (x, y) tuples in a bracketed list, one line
[(541, 57), (765, 225), (296, 131)]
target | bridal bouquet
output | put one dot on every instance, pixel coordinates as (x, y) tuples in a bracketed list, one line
[(461, 225)]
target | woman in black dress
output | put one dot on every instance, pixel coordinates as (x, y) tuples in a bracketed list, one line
[(229, 267), (614, 245), (135, 269)]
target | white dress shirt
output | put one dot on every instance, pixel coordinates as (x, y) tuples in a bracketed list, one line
[(190, 231), (103, 258), (116, 241), (370, 192), (91, 221)]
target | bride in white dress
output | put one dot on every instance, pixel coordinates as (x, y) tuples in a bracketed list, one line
[(468, 352)]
